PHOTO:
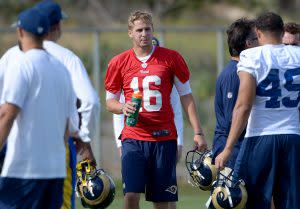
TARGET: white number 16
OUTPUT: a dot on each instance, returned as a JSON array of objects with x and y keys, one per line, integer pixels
[{"x": 147, "y": 93}]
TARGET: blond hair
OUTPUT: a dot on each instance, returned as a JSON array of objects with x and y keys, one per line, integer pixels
[{"x": 139, "y": 15}]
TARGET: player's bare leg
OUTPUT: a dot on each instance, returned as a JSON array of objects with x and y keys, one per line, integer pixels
[
  {"x": 272, "y": 204},
  {"x": 161, "y": 205},
  {"x": 172, "y": 205},
  {"x": 131, "y": 200}
]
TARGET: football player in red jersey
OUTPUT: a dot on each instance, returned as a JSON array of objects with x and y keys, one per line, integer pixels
[{"x": 149, "y": 148}]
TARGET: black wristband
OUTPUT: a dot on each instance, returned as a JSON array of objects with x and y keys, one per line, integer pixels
[{"x": 200, "y": 133}]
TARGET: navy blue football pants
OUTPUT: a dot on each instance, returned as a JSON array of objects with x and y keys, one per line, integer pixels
[{"x": 270, "y": 165}]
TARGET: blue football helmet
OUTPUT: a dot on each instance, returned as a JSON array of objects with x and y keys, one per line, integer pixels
[
  {"x": 227, "y": 193},
  {"x": 199, "y": 165},
  {"x": 94, "y": 187},
  {"x": 155, "y": 41}
]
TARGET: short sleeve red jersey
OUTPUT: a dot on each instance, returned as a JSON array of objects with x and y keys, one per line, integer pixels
[{"x": 154, "y": 79}]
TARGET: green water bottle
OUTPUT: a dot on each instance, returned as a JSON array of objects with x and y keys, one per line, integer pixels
[{"x": 137, "y": 100}]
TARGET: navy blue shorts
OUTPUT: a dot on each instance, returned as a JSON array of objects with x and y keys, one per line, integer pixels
[
  {"x": 31, "y": 193},
  {"x": 270, "y": 165},
  {"x": 2, "y": 156},
  {"x": 218, "y": 147},
  {"x": 150, "y": 168}
]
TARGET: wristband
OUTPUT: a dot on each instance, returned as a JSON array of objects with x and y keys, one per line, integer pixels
[{"x": 199, "y": 133}]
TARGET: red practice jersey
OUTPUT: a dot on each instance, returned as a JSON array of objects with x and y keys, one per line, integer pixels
[{"x": 154, "y": 79}]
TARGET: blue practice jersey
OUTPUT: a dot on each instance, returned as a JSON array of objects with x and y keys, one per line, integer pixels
[{"x": 227, "y": 88}]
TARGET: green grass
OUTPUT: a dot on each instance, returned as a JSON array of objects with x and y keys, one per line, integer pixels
[{"x": 189, "y": 197}]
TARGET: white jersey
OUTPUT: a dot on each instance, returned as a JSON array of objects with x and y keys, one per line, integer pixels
[
  {"x": 90, "y": 105},
  {"x": 10, "y": 55},
  {"x": 276, "y": 69},
  {"x": 118, "y": 119},
  {"x": 41, "y": 87}
]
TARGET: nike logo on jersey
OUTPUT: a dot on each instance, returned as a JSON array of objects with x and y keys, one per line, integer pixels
[{"x": 144, "y": 65}]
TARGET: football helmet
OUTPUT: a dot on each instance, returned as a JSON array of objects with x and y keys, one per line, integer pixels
[
  {"x": 227, "y": 193},
  {"x": 199, "y": 165},
  {"x": 94, "y": 187},
  {"x": 155, "y": 41}
]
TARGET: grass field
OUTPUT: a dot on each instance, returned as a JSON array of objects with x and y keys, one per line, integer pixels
[{"x": 189, "y": 198}]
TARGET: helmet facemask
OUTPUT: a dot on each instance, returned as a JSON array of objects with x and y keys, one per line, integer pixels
[
  {"x": 202, "y": 172},
  {"x": 94, "y": 187}
]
